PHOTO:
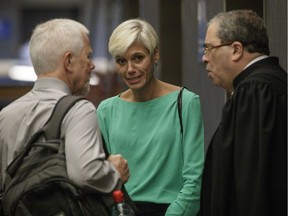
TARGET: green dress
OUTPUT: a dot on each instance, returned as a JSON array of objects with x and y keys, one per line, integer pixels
[{"x": 164, "y": 166}]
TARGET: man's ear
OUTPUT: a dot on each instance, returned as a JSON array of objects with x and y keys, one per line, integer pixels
[
  {"x": 68, "y": 61},
  {"x": 238, "y": 50},
  {"x": 156, "y": 55}
]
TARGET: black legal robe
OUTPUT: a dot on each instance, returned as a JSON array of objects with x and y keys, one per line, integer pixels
[{"x": 245, "y": 171}]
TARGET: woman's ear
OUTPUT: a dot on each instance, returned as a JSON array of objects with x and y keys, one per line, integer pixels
[{"x": 156, "y": 55}]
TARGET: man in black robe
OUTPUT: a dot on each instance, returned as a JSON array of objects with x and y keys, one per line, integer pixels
[{"x": 245, "y": 170}]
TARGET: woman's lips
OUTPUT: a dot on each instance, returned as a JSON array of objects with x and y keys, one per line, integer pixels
[{"x": 133, "y": 80}]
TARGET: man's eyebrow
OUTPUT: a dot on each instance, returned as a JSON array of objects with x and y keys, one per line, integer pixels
[{"x": 207, "y": 44}]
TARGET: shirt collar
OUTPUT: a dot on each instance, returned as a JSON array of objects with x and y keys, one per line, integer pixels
[
  {"x": 255, "y": 60},
  {"x": 51, "y": 83}
]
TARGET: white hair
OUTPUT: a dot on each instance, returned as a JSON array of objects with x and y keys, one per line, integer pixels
[{"x": 52, "y": 39}]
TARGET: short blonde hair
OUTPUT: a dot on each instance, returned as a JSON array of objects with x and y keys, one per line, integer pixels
[
  {"x": 52, "y": 39},
  {"x": 132, "y": 31}
]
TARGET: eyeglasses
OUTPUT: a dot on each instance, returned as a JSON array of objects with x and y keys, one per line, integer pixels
[{"x": 207, "y": 49}]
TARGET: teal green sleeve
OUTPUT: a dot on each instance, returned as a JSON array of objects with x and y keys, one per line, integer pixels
[{"x": 188, "y": 199}]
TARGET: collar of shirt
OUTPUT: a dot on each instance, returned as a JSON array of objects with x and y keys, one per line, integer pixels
[
  {"x": 244, "y": 74},
  {"x": 51, "y": 83},
  {"x": 255, "y": 60}
]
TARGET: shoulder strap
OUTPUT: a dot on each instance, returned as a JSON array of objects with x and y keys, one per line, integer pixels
[
  {"x": 179, "y": 105},
  {"x": 51, "y": 130}
]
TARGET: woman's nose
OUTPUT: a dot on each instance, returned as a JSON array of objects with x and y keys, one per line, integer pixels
[{"x": 130, "y": 66}]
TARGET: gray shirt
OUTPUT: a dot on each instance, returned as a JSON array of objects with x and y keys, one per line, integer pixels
[{"x": 85, "y": 157}]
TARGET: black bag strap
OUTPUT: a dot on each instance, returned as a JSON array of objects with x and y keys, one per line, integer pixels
[
  {"x": 179, "y": 105},
  {"x": 51, "y": 130}
]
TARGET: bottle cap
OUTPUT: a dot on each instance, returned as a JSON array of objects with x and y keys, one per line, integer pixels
[{"x": 118, "y": 196}]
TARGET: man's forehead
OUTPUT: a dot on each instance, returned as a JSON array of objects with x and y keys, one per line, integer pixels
[{"x": 211, "y": 34}]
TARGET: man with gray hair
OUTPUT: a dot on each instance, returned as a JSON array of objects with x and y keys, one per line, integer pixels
[
  {"x": 245, "y": 171},
  {"x": 61, "y": 54}
]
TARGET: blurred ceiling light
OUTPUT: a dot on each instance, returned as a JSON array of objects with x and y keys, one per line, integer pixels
[
  {"x": 94, "y": 79},
  {"x": 22, "y": 73},
  {"x": 26, "y": 73}
]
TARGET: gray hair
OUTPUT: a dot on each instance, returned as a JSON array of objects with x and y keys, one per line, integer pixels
[
  {"x": 52, "y": 39},
  {"x": 244, "y": 26},
  {"x": 132, "y": 31}
]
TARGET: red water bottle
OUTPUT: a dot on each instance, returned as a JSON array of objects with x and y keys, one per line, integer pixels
[{"x": 120, "y": 207}]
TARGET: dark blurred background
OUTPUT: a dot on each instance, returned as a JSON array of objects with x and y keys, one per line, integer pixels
[{"x": 181, "y": 25}]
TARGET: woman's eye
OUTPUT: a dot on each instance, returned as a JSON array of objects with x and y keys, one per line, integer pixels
[
  {"x": 120, "y": 61},
  {"x": 138, "y": 58}
]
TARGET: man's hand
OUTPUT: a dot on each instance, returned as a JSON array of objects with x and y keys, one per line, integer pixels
[{"x": 121, "y": 165}]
